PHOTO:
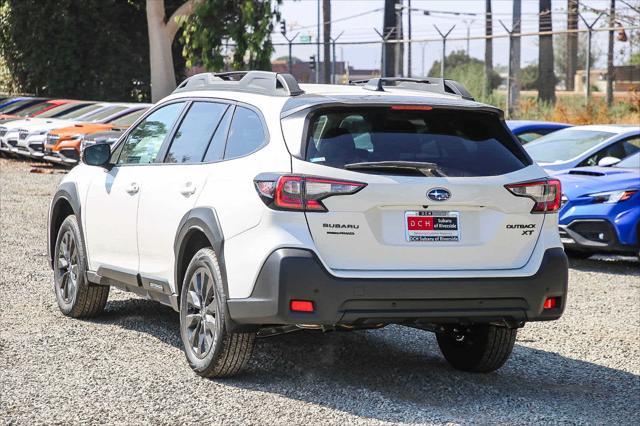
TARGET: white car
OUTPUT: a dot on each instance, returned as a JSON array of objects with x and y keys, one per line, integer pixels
[
  {"x": 585, "y": 146},
  {"x": 33, "y": 144},
  {"x": 258, "y": 205},
  {"x": 13, "y": 132}
]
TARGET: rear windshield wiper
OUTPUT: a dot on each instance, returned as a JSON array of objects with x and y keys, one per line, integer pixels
[{"x": 427, "y": 169}]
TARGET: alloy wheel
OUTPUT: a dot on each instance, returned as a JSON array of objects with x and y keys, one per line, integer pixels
[
  {"x": 67, "y": 267},
  {"x": 200, "y": 318}
]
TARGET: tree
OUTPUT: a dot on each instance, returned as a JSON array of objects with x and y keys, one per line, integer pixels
[
  {"x": 468, "y": 71},
  {"x": 326, "y": 35},
  {"x": 161, "y": 35},
  {"x": 571, "y": 41},
  {"x": 85, "y": 49},
  {"x": 547, "y": 79},
  {"x": 239, "y": 29},
  {"x": 488, "y": 47}
]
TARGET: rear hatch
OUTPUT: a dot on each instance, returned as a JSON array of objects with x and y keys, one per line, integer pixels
[{"x": 435, "y": 196}]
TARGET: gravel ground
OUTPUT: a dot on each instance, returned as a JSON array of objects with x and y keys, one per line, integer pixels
[{"x": 127, "y": 366}]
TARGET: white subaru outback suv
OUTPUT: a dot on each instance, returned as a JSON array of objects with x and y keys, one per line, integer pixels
[{"x": 252, "y": 205}]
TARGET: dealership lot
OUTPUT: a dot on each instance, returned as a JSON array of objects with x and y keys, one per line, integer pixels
[{"x": 127, "y": 366}]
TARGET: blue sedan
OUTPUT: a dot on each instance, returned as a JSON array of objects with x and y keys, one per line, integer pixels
[
  {"x": 528, "y": 130},
  {"x": 601, "y": 209}
]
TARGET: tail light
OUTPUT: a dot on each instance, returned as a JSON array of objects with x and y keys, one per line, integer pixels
[
  {"x": 301, "y": 193},
  {"x": 545, "y": 193}
]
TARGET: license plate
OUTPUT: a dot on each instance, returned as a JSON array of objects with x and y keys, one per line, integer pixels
[{"x": 427, "y": 225}]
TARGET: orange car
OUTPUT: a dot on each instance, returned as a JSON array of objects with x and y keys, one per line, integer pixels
[{"x": 63, "y": 145}]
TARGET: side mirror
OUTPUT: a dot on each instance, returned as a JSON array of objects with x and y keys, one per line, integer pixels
[
  {"x": 97, "y": 155},
  {"x": 608, "y": 161}
]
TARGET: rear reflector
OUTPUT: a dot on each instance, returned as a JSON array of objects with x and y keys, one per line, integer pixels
[
  {"x": 301, "y": 306},
  {"x": 551, "y": 303},
  {"x": 304, "y": 193},
  {"x": 547, "y": 194}
]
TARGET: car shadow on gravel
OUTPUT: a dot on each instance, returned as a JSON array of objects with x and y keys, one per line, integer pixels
[
  {"x": 616, "y": 265},
  {"x": 397, "y": 374}
]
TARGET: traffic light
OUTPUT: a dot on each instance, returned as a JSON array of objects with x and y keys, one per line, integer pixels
[
  {"x": 312, "y": 62},
  {"x": 283, "y": 27}
]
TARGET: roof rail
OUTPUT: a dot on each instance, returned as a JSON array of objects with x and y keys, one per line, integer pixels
[
  {"x": 428, "y": 84},
  {"x": 260, "y": 82}
]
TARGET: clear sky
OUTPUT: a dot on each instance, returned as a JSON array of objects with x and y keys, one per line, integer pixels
[{"x": 301, "y": 16}]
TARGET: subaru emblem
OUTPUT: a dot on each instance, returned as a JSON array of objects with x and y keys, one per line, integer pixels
[{"x": 438, "y": 194}]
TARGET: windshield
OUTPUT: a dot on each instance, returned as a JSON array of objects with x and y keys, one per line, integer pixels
[
  {"x": 34, "y": 109},
  {"x": 459, "y": 143},
  {"x": 129, "y": 119},
  {"x": 564, "y": 144},
  {"x": 631, "y": 162},
  {"x": 15, "y": 106},
  {"x": 82, "y": 111},
  {"x": 106, "y": 112},
  {"x": 60, "y": 111}
]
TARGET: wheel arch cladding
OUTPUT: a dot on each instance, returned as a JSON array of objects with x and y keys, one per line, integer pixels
[
  {"x": 198, "y": 228},
  {"x": 65, "y": 202}
]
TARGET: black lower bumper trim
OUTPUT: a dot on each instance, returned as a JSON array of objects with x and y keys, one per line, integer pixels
[
  {"x": 298, "y": 274},
  {"x": 593, "y": 236}
]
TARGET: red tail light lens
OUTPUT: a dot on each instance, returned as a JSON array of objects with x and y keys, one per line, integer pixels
[
  {"x": 304, "y": 193},
  {"x": 546, "y": 194},
  {"x": 551, "y": 303}
]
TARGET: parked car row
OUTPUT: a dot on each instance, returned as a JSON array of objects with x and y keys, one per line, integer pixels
[{"x": 55, "y": 130}]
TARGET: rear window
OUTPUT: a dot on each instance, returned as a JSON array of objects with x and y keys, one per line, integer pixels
[{"x": 460, "y": 143}]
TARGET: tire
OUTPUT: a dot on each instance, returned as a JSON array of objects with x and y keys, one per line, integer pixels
[
  {"x": 211, "y": 350},
  {"x": 482, "y": 350},
  {"x": 76, "y": 296},
  {"x": 577, "y": 254}
]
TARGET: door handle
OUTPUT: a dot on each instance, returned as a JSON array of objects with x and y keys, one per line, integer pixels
[
  {"x": 133, "y": 188},
  {"x": 188, "y": 189}
]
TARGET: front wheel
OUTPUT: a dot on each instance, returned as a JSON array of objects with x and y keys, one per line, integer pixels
[
  {"x": 212, "y": 351},
  {"x": 477, "y": 349},
  {"x": 76, "y": 296}
]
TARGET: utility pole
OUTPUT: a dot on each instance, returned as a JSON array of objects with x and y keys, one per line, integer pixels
[
  {"x": 326, "y": 36},
  {"x": 444, "y": 51},
  {"x": 571, "y": 58},
  {"x": 610, "y": 69},
  {"x": 488, "y": 47},
  {"x": 283, "y": 31},
  {"x": 514, "y": 58},
  {"x": 318, "y": 47},
  {"x": 333, "y": 63},
  {"x": 468, "y": 23},
  {"x": 409, "y": 62},
  {"x": 383, "y": 60},
  {"x": 399, "y": 56},
  {"x": 587, "y": 68}
]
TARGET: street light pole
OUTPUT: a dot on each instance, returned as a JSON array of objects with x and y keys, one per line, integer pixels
[
  {"x": 333, "y": 64},
  {"x": 318, "y": 48},
  {"x": 587, "y": 92},
  {"x": 409, "y": 43},
  {"x": 444, "y": 51}
]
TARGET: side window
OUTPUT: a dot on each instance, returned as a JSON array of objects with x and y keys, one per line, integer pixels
[
  {"x": 144, "y": 142},
  {"x": 631, "y": 145},
  {"x": 246, "y": 134},
  {"x": 195, "y": 132},
  {"x": 614, "y": 150},
  {"x": 215, "y": 152},
  {"x": 528, "y": 136}
]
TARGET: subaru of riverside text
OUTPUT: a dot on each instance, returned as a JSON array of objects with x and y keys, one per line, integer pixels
[{"x": 254, "y": 206}]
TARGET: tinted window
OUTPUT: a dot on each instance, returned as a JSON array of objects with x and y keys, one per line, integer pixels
[
  {"x": 61, "y": 111},
  {"x": 84, "y": 111},
  {"x": 15, "y": 106},
  {"x": 195, "y": 132},
  {"x": 460, "y": 143},
  {"x": 528, "y": 137},
  {"x": 565, "y": 144},
  {"x": 215, "y": 151},
  {"x": 246, "y": 134},
  {"x": 34, "y": 109},
  {"x": 144, "y": 141},
  {"x": 614, "y": 150},
  {"x": 631, "y": 162}
]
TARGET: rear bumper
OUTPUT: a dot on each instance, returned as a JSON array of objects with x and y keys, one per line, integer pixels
[{"x": 298, "y": 274}]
